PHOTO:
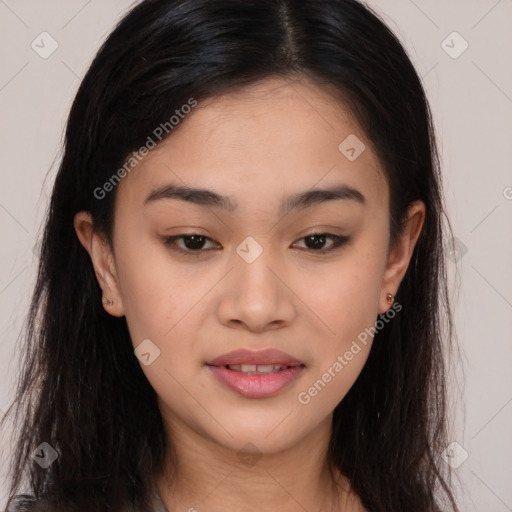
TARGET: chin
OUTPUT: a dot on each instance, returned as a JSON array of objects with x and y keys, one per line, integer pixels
[{"x": 266, "y": 438}]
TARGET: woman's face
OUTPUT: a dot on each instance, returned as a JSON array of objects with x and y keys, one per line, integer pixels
[{"x": 254, "y": 277}]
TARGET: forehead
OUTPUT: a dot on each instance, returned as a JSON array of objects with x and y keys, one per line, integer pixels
[{"x": 276, "y": 135}]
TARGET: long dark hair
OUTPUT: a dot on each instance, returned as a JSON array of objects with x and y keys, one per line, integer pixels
[{"x": 82, "y": 389}]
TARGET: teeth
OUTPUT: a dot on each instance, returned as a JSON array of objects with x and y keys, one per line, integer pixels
[
  {"x": 265, "y": 368},
  {"x": 255, "y": 369}
]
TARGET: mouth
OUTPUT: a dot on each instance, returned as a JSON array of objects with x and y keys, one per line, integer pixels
[
  {"x": 246, "y": 360},
  {"x": 255, "y": 374},
  {"x": 257, "y": 369}
]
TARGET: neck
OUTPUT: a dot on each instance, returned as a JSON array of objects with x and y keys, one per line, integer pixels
[{"x": 203, "y": 475}]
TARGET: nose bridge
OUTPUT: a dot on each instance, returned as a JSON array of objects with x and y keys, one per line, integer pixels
[
  {"x": 253, "y": 262},
  {"x": 257, "y": 296}
]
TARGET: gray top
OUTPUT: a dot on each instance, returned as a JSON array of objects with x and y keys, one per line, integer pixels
[
  {"x": 24, "y": 503},
  {"x": 159, "y": 505}
]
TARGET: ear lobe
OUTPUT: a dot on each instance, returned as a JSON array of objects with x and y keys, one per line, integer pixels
[
  {"x": 102, "y": 260},
  {"x": 400, "y": 256}
]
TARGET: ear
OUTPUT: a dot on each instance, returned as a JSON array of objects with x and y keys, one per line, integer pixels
[
  {"x": 103, "y": 261},
  {"x": 400, "y": 256}
]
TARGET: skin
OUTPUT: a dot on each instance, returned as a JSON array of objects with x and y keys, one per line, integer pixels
[{"x": 258, "y": 146}]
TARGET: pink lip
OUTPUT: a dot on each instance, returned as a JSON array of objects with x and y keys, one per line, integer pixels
[
  {"x": 255, "y": 386},
  {"x": 244, "y": 356}
]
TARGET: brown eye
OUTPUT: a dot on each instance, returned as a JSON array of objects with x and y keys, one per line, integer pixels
[
  {"x": 193, "y": 243},
  {"x": 315, "y": 241}
]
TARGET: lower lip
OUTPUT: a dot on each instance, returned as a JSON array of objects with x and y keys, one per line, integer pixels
[{"x": 256, "y": 386}]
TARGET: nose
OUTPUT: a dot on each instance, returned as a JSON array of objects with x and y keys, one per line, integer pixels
[{"x": 257, "y": 295}]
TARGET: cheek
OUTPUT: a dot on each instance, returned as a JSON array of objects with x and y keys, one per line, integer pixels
[
  {"x": 164, "y": 302},
  {"x": 345, "y": 296},
  {"x": 346, "y": 302},
  {"x": 153, "y": 291},
  {"x": 158, "y": 299},
  {"x": 341, "y": 354},
  {"x": 322, "y": 393}
]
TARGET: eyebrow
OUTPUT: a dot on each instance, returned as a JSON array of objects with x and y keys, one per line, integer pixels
[{"x": 209, "y": 198}]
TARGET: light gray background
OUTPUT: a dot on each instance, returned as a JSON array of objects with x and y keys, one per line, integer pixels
[{"x": 471, "y": 98}]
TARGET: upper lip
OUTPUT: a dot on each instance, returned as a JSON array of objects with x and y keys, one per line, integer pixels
[{"x": 244, "y": 356}]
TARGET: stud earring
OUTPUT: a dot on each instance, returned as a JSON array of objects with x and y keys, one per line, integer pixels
[
  {"x": 389, "y": 298},
  {"x": 108, "y": 302}
]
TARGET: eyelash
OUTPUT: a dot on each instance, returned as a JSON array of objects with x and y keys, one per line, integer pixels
[{"x": 339, "y": 241}]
